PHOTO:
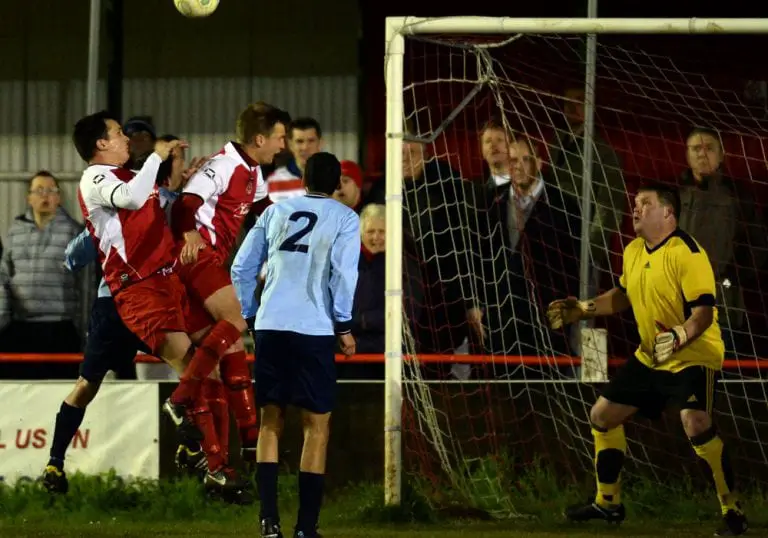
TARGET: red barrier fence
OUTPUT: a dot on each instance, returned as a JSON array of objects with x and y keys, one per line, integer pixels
[{"x": 527, "y": 360}]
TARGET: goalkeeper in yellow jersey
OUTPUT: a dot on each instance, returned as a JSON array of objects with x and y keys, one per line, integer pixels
[{"x": 668, "y": 281}]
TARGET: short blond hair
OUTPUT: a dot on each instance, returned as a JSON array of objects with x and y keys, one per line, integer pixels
[
  {"x": 370, "y": 212},
  {"x": 258, "y": 118}
]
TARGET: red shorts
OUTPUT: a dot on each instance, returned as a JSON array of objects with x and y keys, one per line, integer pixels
[
  {"x": 202, "y": 279},
  {"x": 154, "y": 307}
]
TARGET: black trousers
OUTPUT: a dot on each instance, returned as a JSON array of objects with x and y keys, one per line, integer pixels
[{"x": 40, "y": 337}]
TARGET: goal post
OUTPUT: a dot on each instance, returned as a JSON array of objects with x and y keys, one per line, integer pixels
[{"x": 396, "y": 31}]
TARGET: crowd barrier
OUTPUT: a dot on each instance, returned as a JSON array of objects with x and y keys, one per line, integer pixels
[{"x": 525, "y": 360}]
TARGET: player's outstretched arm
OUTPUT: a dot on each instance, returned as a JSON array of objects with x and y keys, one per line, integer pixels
[
  {"x": 101, "y": 187},
  {"x": 248, "y": 261},
  {"x": 345, "y": 256},
  {"x": 570, "y": 310},
  {"x": 80, "y": 252}
]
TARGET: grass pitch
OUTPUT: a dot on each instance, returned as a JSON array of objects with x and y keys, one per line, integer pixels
[{"x": 108, "y": 507}]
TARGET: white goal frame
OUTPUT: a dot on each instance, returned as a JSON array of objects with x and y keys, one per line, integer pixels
[{"x": 396, "y": 30}]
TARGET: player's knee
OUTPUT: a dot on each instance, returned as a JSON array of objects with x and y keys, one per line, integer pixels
[
  {"x": 695, "y": 422},
  {"x": 223, "y": 305},
  {"x": 83, "y": 393},
  {"x": 175, "y": 347},
  {"x": 198, "y": 336},
  {"x": 271, "y": 419},
  {"x": 601, "y": 418},
  {"x": 316, "y": 425},
  {"x": 241, "y": 326}
]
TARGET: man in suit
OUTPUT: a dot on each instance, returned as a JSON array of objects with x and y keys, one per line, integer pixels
[{"x": 529, "y": 241}]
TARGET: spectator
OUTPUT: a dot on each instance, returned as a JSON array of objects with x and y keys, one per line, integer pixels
[
  {"x": 530, "y": 254},
  {"x": 609, "y": 198},
  {"x": 305, "y": 138},
  {"x": 494, "y": 145},
  {"x": 368, "y": 313},
  {"x": 350, "y": 190},
  {"x": 726, "y": 224},
  {"x": 435, "y": 199},
  {"x": 39, "y": 302}
]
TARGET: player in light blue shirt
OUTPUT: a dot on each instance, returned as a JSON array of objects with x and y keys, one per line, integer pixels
[{"x": 311, "y": 245}]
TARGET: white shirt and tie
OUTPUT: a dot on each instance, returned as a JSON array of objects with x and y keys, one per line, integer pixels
[{"x": 518, "y": 206}]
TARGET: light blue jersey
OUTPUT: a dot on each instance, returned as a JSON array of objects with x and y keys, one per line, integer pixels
[
  {"x": 80, "y": 252},
  {"x": 311, "y": 245}
]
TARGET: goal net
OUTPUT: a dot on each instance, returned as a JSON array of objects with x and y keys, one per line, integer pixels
[{"x": 492, "y": 197}]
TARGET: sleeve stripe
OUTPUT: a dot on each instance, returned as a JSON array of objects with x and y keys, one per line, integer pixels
[
  {"x": 112, "y": 195},
  {"x": 343, "y": 327},
  {"x": 705, "y": 299}
]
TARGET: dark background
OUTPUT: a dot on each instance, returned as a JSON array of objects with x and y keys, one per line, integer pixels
[{"x": 48, "y": 39}]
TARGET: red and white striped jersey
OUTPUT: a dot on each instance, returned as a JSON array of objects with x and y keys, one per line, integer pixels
[
  {"x": 284, "y": 183},
  {"x": 228, "y": 184},
  {"x": 129, "y": 226}
]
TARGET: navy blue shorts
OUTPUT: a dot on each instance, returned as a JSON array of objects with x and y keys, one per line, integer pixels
[
  {"x": 109, "y": 345},
  {"x": 295, "y": 369}
]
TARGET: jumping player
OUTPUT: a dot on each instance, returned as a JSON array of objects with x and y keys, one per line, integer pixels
[
  {"x": 110, "y": 345},
  {"x": 208, "y": 217},
  {"x": 311, "y": 245},
  {"x": 137, "y": 252}
]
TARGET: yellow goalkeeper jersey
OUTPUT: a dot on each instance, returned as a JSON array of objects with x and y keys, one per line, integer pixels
[{"x": 663, "y": 285}]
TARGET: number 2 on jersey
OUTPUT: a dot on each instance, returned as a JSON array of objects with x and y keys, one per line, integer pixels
[{"x": 291, "y": 244}]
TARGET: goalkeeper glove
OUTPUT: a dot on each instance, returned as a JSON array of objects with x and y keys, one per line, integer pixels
[
  {"x": 569, "y": 310},
  {"x": 667, "y": 342}
]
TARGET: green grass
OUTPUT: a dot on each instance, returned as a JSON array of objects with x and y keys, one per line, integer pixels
[{"x": 106, "y": 507}]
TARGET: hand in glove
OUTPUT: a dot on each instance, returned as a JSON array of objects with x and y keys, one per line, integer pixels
[
  {"x": 667, "y": 342},
  {"x": 569, "y": 310}
]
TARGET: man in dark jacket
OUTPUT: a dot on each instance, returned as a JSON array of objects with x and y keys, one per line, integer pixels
[
  {"x": 724, "y": 221},
  {"x": 439, "y": 217},
  {"x": 530, "y": 255},
  {"x": 438, "y": 213}
]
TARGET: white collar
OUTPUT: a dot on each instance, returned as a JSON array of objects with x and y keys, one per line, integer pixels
[{"x": 500, "y": 179}]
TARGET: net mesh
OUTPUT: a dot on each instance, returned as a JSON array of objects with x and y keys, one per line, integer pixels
[{"x": 479, "y": 412}]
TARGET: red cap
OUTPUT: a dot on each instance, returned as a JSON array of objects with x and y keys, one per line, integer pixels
[{"x": 352, "y": 170}]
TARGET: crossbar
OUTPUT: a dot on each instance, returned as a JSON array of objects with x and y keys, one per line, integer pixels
[{"x": 511, "y": 25}]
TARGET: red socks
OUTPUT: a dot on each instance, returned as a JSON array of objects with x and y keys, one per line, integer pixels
[
  {"x": 201, "y": 414},
  {"x": 216, "y": 396},
  {"x": 237, "y": 378},
  {"x": 221, "y": 337}
]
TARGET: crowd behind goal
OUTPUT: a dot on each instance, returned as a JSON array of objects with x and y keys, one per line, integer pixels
[{"x": 461, "y": 294}]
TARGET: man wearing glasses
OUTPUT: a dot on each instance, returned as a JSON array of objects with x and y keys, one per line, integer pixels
[{"x": 39, "y": 300}]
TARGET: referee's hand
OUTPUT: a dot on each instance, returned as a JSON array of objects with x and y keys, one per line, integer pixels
[
  {"x": 347, "y": 344},
  {"x": 567, "y": 311}
]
